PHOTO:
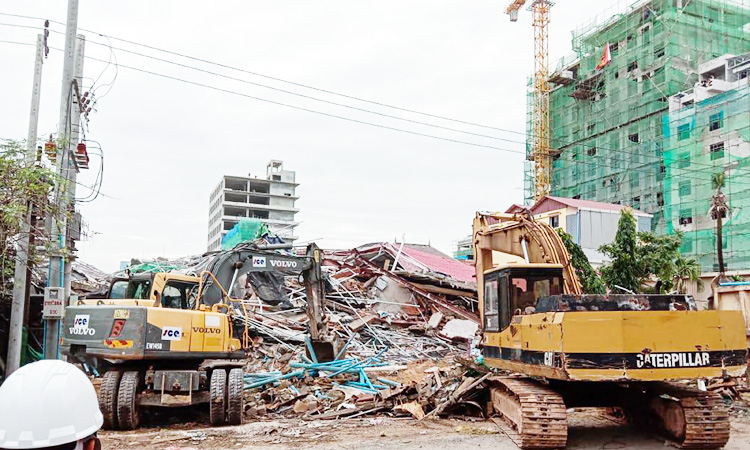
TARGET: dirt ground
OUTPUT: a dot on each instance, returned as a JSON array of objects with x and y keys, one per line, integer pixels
[{"x": 588, "y": 429}]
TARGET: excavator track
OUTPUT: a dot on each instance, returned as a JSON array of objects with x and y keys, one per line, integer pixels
[
  {"x": 687, "y": 417},
  {"x": 532, "y": 415}
]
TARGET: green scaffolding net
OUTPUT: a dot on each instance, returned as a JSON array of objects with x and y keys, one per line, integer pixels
[
  {"x": 612, "y": 134},
  {"x": 245, "y": 230},
  {"x": 703, "y": 138}
]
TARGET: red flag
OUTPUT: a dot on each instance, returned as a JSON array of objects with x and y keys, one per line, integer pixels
[{"x": 606, "y": 58}]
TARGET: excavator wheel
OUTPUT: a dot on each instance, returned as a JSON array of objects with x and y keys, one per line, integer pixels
[
  {"x": 688, "y": 417},
  {"x": 235, "y": 403},
  {"x": 532, "y": 415},
  {"x": 108, "y": 398},
  {"x": 128, "y": 416},
  {"x": 218, "y": 397}
]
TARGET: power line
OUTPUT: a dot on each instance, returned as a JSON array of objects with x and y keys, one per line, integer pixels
[
  {"x": 326, "y": 91},
  {"x": 305, "y": 96},
  {"x": 18, "y": 43},
  {"x": 300, "y": 108},
  {"x": 620, "y": 150},
  {"x": 527, "y": 135},
  {"x": 598, "y": 164}
]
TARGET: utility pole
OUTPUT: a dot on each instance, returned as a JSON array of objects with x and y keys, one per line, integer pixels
[
  {"x": 64, "y": 190},
  {"x": 74, "y": 136},
  {"x": 22, "y": 252}
]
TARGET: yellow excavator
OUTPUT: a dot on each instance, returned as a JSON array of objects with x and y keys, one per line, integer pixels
[
  {"x": 180, "y": 341},
  {"x": 567, "y": 349}
]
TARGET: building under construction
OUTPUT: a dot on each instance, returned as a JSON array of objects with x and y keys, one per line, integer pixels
[{"x": 613, "y": 137}]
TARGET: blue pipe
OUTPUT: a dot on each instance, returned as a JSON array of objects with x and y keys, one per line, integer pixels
[
  {"x": 343, "y": 349},
  {"x": 296, "y": 373},
  {"x": 364, "y": 385},
  {"x": 365, "y": 377},
  {"x": 310, "y": 349},
  {"x": 388, "y": 382}
]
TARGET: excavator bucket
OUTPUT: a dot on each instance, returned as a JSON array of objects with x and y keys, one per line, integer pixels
[{"x": 326, "y": 351}]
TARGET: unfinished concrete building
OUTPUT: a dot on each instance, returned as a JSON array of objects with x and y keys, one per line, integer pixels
[
  {"x": 706, "y": 132},
  {"x": 610, "y": 127},
  {"x": 270, "y": 199}
]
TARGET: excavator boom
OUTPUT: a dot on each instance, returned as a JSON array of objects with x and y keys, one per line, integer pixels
[{"x": 521, "y": 237}]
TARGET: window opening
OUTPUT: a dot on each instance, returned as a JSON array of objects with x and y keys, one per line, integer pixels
[{"x": 717, "y": 150}]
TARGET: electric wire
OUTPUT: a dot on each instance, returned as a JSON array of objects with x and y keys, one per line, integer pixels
[
  {"x": 326, "y": 91},
  {"x": 621, "y": 150},
  {"x": 529, "y": 135},
  {"x": 373, "y": 124},
  {"x": 300, "y": 108}
]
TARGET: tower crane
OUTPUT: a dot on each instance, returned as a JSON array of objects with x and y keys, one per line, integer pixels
[{"x": 540, "y": 112}]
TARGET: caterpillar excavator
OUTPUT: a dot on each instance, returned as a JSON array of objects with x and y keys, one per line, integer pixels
[
  {"x": 181, "y": 341},
  {"x": 567, "y": 349}
]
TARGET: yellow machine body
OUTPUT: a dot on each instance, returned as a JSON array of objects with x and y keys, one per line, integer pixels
[
  {"x": 536, "y": 321},
  {"x": 163, "y": 323},
  {"x": 620, "y": 345}
]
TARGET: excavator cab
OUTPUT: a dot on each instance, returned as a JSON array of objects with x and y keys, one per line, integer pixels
[{"x": 514, "y": 290}]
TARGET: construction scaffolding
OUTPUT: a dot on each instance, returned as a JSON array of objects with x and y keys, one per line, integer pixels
[
  {"x": 705, "y": 138},
  {"x": 607, "y": 126}
]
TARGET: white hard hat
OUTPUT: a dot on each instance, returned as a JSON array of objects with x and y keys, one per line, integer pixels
[{"x": 47, "y": 403}]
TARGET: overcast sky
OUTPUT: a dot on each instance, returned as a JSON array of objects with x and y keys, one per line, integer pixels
[{"x": 166, "y": 143}]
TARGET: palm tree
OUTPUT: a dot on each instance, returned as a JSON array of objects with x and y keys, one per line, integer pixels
[
  {"x": 718, "y": 210},
  {"x": 687, "y": 270}
]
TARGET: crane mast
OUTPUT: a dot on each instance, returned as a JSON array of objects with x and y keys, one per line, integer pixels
[{"x": 540, "y": 112}]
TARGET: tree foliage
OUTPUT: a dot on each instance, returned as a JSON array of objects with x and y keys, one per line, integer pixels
[
  {"x": 22, "y": 183},
  {"x": 623, "y": 270},
  {"x": 655, "y": 258},
  {"x": 687, "y": 270},
  {"x": 590, "y": 280},
  {"x": 640, "y": 258}
]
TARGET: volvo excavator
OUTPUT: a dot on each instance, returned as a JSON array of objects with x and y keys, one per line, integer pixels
[
  {"x": 565, "y": 349},
  {"x": 181, "y": 340}
]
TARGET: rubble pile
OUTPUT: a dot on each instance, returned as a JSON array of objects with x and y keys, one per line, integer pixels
[
  {"x": 404, "y": 312},
  {"x": 353, "y": 387}
]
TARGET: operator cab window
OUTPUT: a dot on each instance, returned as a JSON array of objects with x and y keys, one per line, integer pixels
[
  {"x": 139, "y": 289},
  {"x": 119, "y": 289},
  {"x": 496, "y": 311},
  {"x": 526, "y": 290},
  {"x": 491, "y": 316},
  {"x": 179, "y": 295}
]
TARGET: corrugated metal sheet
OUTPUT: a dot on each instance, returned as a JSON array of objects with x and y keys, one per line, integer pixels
[{"x": 571, "y": 225}]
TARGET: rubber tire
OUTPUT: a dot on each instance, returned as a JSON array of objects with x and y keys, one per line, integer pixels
[
  {"x": 128, "y": 416},
  {"x": 108, "y": 398},
  {"x": 235, "y": 400},
  {"x": 218, "y": 397}
]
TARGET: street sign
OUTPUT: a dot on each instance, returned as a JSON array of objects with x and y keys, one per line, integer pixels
[{"x": 53, "y": 303}]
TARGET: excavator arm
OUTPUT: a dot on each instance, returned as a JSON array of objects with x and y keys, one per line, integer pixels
[
  {"x": 520, "y": 236},
  {"x": 264, "y": 269}
]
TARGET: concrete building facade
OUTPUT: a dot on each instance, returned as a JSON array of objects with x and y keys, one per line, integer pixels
[{"x": 270, "y": 199}]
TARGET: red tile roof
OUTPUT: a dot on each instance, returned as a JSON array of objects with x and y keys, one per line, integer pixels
[
  {"x": 441, "y": 263},
  {"x": 550, "y": 203}
]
